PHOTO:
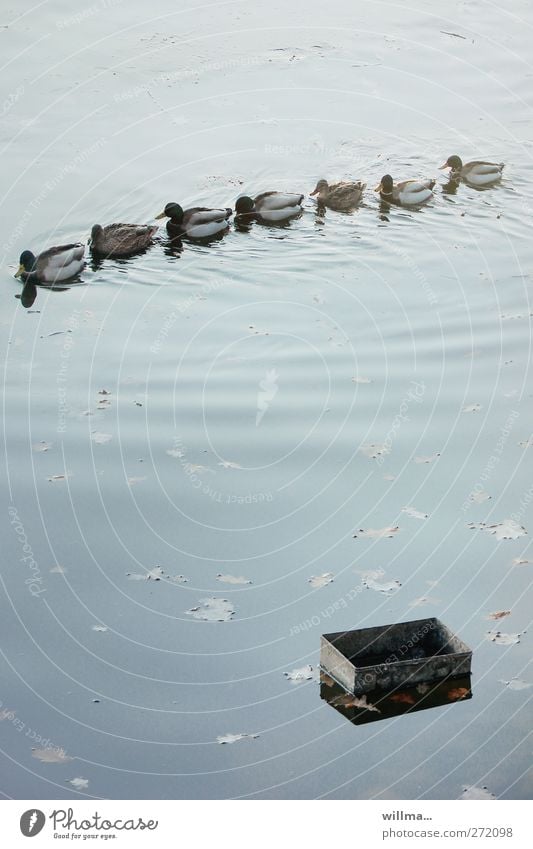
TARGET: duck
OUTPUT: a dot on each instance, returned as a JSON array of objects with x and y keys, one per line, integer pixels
[
  {"x": 53, "y": 265},
  {"x": 121, "y": 239},
  {"x": 408, "y": 193},
  {"x": 477, "y": 173},
  {"x": 199, "y": 222},
  {"x": 271, "y": 207},
  {"x": 340, "y": 196}
]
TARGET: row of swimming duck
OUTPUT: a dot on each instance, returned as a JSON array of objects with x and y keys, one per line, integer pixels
[{"x": 63, "y": 262}]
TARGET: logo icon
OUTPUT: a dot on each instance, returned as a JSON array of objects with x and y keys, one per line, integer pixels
[{"x": 32, "y": 822}]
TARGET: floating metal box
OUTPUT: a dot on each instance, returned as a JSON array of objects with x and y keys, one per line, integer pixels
[{"x": 392, "y": 656}]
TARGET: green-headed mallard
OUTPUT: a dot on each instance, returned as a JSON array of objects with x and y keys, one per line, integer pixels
[
  {"x": 271, "y": 207},
  {"x": 340, "y": 196},
  {"x": 200, "y": 222},
  {"x": 408, "y": 193},
  {"x": 476, "y": 173},
  {"x": 121, "y": 239},
  {"x": 53, "y": 265}
]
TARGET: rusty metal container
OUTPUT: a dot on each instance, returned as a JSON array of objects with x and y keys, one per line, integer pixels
[{"x": 391, "y": 656}]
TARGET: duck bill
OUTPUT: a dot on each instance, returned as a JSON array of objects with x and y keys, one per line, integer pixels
[
  {"x": 161, "y": 215},
  {"x": 442, "y": 167},
  {"x": 20, "y": 271},
  {"x": 313, "y": 193},
  {"x": 378, "y": 188}
]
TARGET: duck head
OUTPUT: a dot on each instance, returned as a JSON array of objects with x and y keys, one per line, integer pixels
[
  {"x": 385, "y": 186},
  {"x": 244, "y": 205},
  {"x": 26, "y": 264},
  {"x": 172, "y": 211},
  {"x": 453, "y": 162},
  {"x": 321, "y": 186}
]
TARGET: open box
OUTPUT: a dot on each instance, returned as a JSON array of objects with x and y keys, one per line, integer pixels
[{"x": 391, "y": 656}]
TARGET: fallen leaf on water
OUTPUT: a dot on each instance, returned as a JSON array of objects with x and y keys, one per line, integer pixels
[
  {"x": 520, "y": 561},
  {"x": 480, "y": 496},
  {"x": 415, "y": 514},
  {"x": 175, "y": 452},
  {"x": 526, "y": 443},
  {"x": 355, "y": 702},
  {"x": 428, "y": 459},
  {"x": 357, "y": 379},
  {"x": 135, "y": 480},
  {"x": 51, "y": 756},
  {"x": 479, "y": 793},
  {"x": 103, "y": 392},
  {"x": 503, "y": 639},
  {"x": 99, "y": 628},
  {"x": 389, "y": 477},
  {"x": 42, "y": 446},
  {"x": 233, "y": 738},
  {"x": 508, "y": 529},
  {"x": 516, "y": 684},
  {"x": 458, "y": 693},
  {"x": 499, "y": 614},
  {"x": 374, "y": 450},
  {"x": 177, "y": 579},
  {"x": 229, "y": 464},
  {"x": 403, "y": 698},
  {"x": 55, "y": 478},
  {"x": 387, "y": 587},
  {"x": 233, "y": 579},
  {"x": 100, "y": 438},
  {"x": 377, "y": 533},
  {"x": 153, "y": 575},
  {"x": 471, "y": 408},
  {"x": 304, "y": 673},
  {"x": 79, "y": 783},
  {"x": 212, "y": 610},
  {"x": 323, "y": 580}
]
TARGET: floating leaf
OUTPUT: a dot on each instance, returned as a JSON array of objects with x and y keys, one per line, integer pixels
[
  {"x": 103, "y": 392},
  {"x": 389, "y": 477},
  {"x": 175, "y": 452},
  {"x": 403, "y": 698},
  {"x": 100, "y": 438},
  {"x": 471, "y": 408},
  {"x": 428, "y": 459},
  {"x": 323, "y": 580},
  {"x": 472, "y": 792},
  {"x": 520, "y": 561},
  {"x": 213, "y": 610},
  {"x": 99, "y": 628},
  {"x": 516, "y": 684},
  {"x": 526, "y": 443},
  {"x": 353, "y": 701},
  {"x": 377, "y": 533},
  {"x": 457, "y": 693},
  {"x": 79, "y": 783},
  {"x": 508, "y": 529},
  {"x": 229, "y": 464},
  {"x": 234, "y": 738},
  {"x": 134, "y": 480},
  {"x": 177, "y": 579},
  {"x": 499, "y": 614},
  {"x": 357, "y": 379},
  {"x": 42, "y": 446},
  {"x": 374, "y": 450},
  {"x": 480, "y": 496},
  {"x": 387, "y": 587},
  {"x": 503, "y": 639},
  {"x": 56, "y": 478},
  {"x": 415, "y": 514},
  {"x": 51, "y": 755},
  {"x": 233, "y": 579},
  {"x": 304, "y": 673}
]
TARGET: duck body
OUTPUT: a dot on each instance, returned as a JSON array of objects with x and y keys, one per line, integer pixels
[
  {"x": 477, "y": 173},
  {"x": 53, "y": 265},
  {"x": 199, "y": 222},
  {"x": 408, "y": 193},
  {"x": 339, "y": 196},
  {"x": 271, "y": 207},
  {"x": 121, "y": 239}
]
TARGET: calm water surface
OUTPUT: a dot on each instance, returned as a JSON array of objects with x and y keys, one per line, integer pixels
[{"x": 209, "y": 411}]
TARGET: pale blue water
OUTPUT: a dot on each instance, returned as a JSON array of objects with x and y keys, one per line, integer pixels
[{"x": 239, "y": 357}]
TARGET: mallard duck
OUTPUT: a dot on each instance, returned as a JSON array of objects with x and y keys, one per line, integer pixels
[
  {"x": 477, "y": 173},
  {"x": 269, "y": 206},
  {"x": 339, "y": 196},
  {"x": 408, "y": 193},
  {"x": 121, "y": 239},
  {"x": 200, "y": 222},
  {"x": 53, "y": 265}
]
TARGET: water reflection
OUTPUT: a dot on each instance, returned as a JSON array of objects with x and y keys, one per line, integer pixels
[{"x": 384, "y": 704}]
